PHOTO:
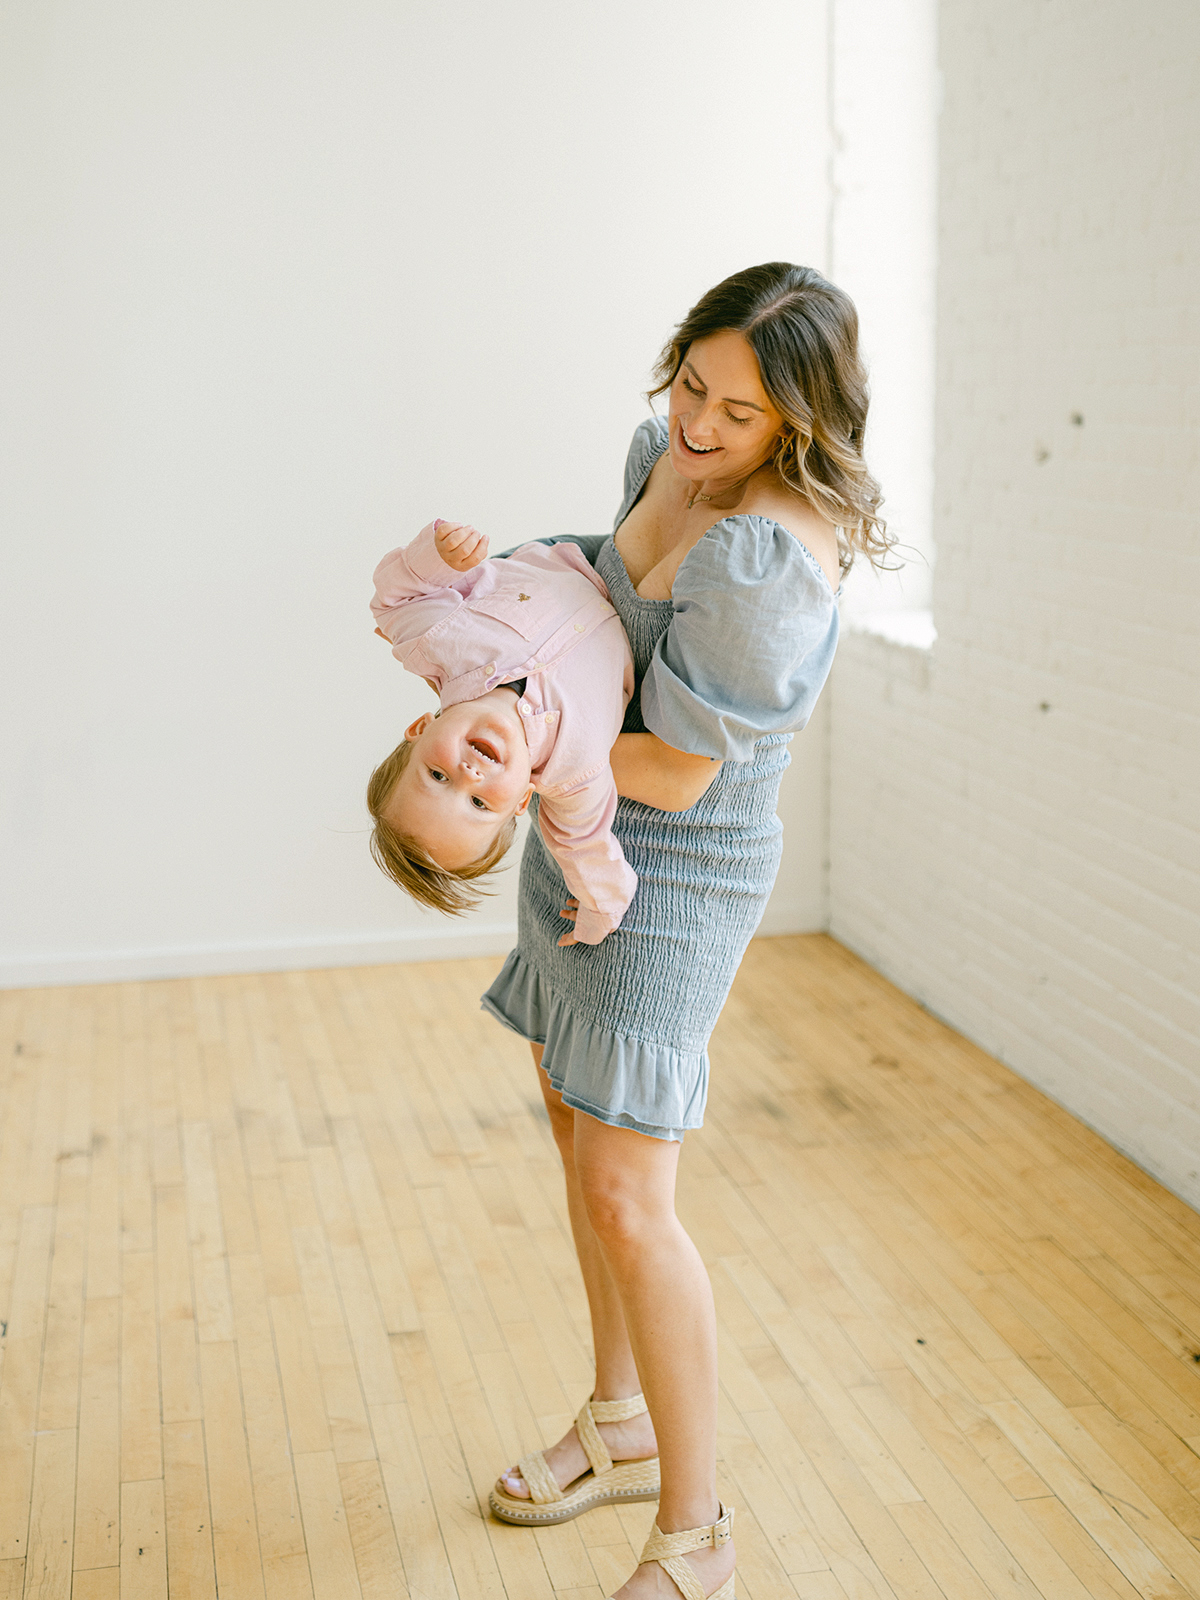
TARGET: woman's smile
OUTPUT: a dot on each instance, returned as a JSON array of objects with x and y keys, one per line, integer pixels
[
  {"x": 696, "y": 449},
  {"x": 723, "y": 426}
]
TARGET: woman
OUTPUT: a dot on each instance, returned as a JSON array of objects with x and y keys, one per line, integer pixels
[{"x": 741, "y": 510}]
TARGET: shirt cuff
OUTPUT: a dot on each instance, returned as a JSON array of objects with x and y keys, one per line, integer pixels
[
  {"x": 425, "y": 563},
  {"x": 592, "y": 926}
]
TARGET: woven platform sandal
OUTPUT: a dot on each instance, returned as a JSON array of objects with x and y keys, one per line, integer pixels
[
  {"x": 669, "y": 1549},
  {"x": 605, "y": 1483}
]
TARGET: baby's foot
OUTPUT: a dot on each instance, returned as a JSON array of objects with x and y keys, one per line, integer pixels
[
  {"x": 632, "y": 1440},
  {"x": 650, "y": 1582}
]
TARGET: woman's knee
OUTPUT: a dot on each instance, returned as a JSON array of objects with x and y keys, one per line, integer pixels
[
  {"x": 627, "y": 1181},
  {"x": 622, "y": 1206}
]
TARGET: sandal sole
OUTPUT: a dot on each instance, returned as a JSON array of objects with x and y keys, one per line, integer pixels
[{"x": 636, "y": 1480}]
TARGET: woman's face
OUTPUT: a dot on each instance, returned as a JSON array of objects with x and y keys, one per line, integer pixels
[{"x": 722, "y": 425}]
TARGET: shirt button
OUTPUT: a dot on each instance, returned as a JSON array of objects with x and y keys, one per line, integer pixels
[
  {"x": 523, "y": 707},
  {"x": 490, "y": 668},
  {"x": 549, "y": 716},
  {"x": 579, "y": 628}
]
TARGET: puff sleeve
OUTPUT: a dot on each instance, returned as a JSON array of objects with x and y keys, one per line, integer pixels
[
  {"x": 648, "y": 443},
  {"x": 749, "y": 647}
]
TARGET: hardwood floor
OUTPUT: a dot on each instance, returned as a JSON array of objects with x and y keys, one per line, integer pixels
[{"x": 285, "y": 1280}]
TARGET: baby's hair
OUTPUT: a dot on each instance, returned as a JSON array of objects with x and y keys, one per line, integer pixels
[{"x": 405, "y": 862}]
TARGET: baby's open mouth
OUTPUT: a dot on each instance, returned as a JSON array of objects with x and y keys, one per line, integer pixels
[{"x": 488, "y": 751}]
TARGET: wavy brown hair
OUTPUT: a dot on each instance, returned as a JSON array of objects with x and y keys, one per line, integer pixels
[
  {"x": 804, "y": 332},
  {"x": 405, "y": 861}
]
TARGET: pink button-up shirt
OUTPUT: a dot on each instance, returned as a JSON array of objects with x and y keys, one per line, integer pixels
[{"x": 540, "y": 614}]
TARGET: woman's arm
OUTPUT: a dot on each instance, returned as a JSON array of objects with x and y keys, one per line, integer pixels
[{"x": 658, "y": 775}]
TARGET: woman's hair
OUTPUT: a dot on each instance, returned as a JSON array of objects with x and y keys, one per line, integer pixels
[
  {"x": 405, "y": 862},
  {"x": 804, "y": 331}
]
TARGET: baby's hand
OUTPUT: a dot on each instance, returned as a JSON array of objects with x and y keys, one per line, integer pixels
[
  {"x": 459, "y": 544},
  {"x": 570, "y": 911}
]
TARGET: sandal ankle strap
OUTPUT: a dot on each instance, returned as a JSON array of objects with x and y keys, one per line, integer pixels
[
  {"x": 662, "y": 1546},
  {"x": 618, "y": 1410},
  {"x": 594, "y": 1411}
]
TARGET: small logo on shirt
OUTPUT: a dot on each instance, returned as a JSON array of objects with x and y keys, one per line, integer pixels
[{"x": 524, "y": 597}]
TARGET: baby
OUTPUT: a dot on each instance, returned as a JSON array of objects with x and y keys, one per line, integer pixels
[{"x": 533, "y": 671}]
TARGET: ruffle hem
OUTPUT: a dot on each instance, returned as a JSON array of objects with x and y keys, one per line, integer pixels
[{"x": 661, "y": 1091}]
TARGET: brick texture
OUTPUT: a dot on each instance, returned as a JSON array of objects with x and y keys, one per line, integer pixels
[{"x": 1015, "y": 816}]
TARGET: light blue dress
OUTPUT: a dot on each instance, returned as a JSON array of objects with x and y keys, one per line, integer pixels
[{"x": 729, "y": 667}]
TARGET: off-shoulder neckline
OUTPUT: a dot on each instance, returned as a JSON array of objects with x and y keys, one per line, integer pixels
[
  {"x": 737, "y": 516},
  {"x": 642, "y": 600}
]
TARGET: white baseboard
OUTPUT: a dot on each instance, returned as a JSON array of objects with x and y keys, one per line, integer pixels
[{"x": 194, "y": 961}]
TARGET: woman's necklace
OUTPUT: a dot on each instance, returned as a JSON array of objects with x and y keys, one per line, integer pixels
[{"x": 731, "y": 497}]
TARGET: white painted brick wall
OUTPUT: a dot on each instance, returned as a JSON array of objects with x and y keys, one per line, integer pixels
[{"x": 1033, "y": 875}]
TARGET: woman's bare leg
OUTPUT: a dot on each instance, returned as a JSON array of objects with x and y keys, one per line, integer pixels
[
  {"x": 627, "y": 1185},
  {"x": 616, "y": 1371}
]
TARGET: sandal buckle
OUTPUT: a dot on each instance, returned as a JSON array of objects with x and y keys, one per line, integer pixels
[{"x": 723, "y": 1528}]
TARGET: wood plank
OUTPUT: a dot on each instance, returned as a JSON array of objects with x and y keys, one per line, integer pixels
[
  {"x": 275, "y": 1236},
  {"x": 426, "y": 1361},
  {"x": 326, "y": 1534},
  {"x": 98, "y": 1485},
  {"x": 190, "y": 1573},
  {"x": 213, "y": 1306},
  {"x": 51, "y": 1516},
  {"x": 143, "y": 1541},
  {"x": 372, "y": 1534},
  {"x": 418, "y": 1534},
  {"x": 166, "y": 1155},
  {"x": 19, "y": 1377},
  {"x": 58, "y": 1399},
  {"x": 136, "y": 1143},
  {"x": 345, "y": 1406},
  {"x": 400, "y": 1314},
  {"x": 270, "y": 1449},
  {"x": 177, "y": 1328},
  {"x": 95, "y": 1583},
  {"x": 104, "y": 1191},
  {"x": 40, "y": 1183},
  {"x": 308, "y": 1427},
  {"x": 236, "y": 1554},
  {"x": 288, "y": 1578},
  {"x": 141, "y": 1405}
]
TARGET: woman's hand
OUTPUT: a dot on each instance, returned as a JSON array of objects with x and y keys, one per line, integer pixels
[
  {"x": 459, "y": 544},
  {"x": 657, "y": 774},
  {"x": 568, "y": 938}
]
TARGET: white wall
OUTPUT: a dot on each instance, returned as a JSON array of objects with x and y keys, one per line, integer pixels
[
  {"x": 882, "y": 249},
  {"x": 287, "y": 281},
  {"x": 1014, "y": 814}
]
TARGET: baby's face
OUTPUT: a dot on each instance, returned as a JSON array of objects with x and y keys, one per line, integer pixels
[{"x": 467, "y": 775}]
